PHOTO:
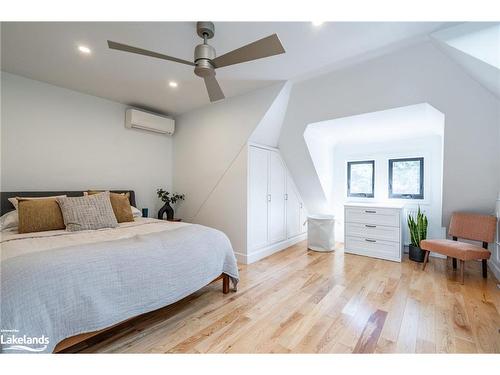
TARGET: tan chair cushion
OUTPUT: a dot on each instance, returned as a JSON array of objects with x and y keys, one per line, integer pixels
[
  {"x": 121, "y": 205},
  {"x": 39, "y": 215},
  {"x": 455, "y": 249}
]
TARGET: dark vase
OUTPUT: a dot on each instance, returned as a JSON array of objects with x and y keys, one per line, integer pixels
[
  {"x": 416, "y": 253},
  {"x": 168, "y": 209}
]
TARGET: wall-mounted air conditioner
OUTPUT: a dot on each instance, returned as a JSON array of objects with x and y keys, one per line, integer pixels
[{"x": 148, "y": 121}]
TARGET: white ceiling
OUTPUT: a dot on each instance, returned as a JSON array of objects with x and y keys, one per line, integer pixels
[
  {"x": 396, "y": 124},
  {"x": 475, "y": 46},
  {"x": 48, "y": 52}
]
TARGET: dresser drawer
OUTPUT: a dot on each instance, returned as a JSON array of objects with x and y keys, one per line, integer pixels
[
  {"x": 376, "y": 216},
  {"x": 373, "y": 231},
  {"x": 375, "y": 248}
]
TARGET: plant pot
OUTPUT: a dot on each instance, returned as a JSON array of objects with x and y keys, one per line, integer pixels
[
  {"x": 416, "y": 253},
  {"x": 166, "y": 209}
]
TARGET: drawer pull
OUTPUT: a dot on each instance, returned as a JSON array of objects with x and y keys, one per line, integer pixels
[
  {"x": 370, "y": 211},
  {"x": 368, "y": 240},
  {"x": 370, "y": 226}
]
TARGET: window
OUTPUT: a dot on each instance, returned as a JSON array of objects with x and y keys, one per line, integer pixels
[
  {"x": 406, "y": 178},
  {"x": 360, "y": 178}
]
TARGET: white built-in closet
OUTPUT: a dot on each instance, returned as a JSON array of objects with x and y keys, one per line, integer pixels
[{"x": 276, "y": 213}]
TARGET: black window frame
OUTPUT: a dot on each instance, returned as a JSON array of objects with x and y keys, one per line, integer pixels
[
  {"x": 407, "y": 196},
  {"x": 360, "y": 195}
]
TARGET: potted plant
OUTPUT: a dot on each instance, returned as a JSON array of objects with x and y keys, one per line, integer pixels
[
  {"x": 168, "y": 199},
  {"x": 418, "y": 232}
]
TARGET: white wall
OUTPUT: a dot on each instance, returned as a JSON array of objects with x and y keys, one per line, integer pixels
[
  {"x": 57, "y": 139},
  {"x": 226, "y": 208},
  {"x": 475, "y": 47},
  {"x": 321, "y": 154},
  {"x": 430, "y": 148},
  {"x": 210, "y": 161},
  {"x": 420, "y": 74}
]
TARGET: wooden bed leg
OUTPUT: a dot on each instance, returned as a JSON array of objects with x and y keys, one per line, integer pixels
[{"x": 225, "y": 283}]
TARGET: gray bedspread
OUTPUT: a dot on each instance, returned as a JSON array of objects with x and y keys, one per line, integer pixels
[{"x": 55, "y": 294}]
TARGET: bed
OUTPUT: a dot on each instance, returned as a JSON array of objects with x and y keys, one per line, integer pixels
[{"x": 56, "y": 285}]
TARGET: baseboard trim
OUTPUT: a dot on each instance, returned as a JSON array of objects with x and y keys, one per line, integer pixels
[
  {"x": 267, "y": 251},
  {"x": 495, "y": 269}
]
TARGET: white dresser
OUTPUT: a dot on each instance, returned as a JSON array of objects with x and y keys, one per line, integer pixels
[{"x": 374, "y": 230}]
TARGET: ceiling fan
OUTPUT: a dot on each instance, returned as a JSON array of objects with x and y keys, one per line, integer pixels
[{"x": 205, "y": 60}]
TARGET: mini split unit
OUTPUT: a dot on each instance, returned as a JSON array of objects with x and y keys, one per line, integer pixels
[{"x": 135, "y": 119}]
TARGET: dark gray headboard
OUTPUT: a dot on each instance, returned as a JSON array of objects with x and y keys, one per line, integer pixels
[{"x": 6, "y": 206}]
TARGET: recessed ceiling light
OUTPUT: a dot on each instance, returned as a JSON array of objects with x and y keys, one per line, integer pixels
[
  {"x": 173, "y": 84},
  {"x": 317, "y": 23},
  {"x": 84, "y": 49}
]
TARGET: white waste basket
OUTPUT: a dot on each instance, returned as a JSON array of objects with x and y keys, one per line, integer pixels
[{"x": 321, "y": 232}]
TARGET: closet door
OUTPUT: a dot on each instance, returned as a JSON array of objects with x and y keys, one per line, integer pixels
[
  {"x": 258, "y": 181},
  {"x": 276, "y": 199},
  {"x": 293, "y": 224},
  {"x": 303, "y": 217}
]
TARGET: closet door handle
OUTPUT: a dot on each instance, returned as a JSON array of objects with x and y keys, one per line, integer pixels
[
  {"x": 370, "y": 226},
  {"x": 269, "y": 197},
  {"x": 286, "y": 197},
  {"x": 368, "y": 240},
  {"x": 370, "y": 212}
]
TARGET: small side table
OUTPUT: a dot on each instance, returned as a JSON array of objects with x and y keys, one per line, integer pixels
[{"x": 174, "y": 219}]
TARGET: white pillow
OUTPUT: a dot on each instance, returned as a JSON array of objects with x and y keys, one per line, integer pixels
[
  {"x": 9, "y": 220},
  {"x": 136, "y": 212},
  {"x": 15, "y": 202}
]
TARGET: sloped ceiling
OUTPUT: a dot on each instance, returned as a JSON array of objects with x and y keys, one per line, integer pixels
[
  {"x": 476, "y": 48},
  {"x": 269, "y": 129}
]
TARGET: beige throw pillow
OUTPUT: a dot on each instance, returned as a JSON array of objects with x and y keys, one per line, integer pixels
[
  {"x": 121, "y": 205},
  {"x": 87, "y": 212}
]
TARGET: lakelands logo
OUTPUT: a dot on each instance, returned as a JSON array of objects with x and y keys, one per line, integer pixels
[{"x": 12, "y": 342}]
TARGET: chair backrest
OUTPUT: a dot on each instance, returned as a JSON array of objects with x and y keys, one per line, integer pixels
[{"x": 474, "y": 227}]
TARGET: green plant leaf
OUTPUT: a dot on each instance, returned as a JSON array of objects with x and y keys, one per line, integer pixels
[{"x": 417, "y": 227}]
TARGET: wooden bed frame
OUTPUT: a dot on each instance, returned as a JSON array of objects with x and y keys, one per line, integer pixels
[{"x": 66, "y": 344}]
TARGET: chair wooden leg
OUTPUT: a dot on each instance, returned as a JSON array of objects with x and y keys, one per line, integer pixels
[
  {"x": 485, "y": 268},
  {"x": 426, "y": 259},
  {"x": 462, "y": 271},
  {"x": 454, "y": 263}
]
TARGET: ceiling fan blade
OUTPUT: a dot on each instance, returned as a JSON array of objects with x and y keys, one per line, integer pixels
[
  {"x": 214, "y": 91},
  {"x": 265, "y": 47},
  {"x": 145, "y": 52}
]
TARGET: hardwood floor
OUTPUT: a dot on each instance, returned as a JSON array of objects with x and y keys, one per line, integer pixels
[{"x": 299, "y": 301}]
